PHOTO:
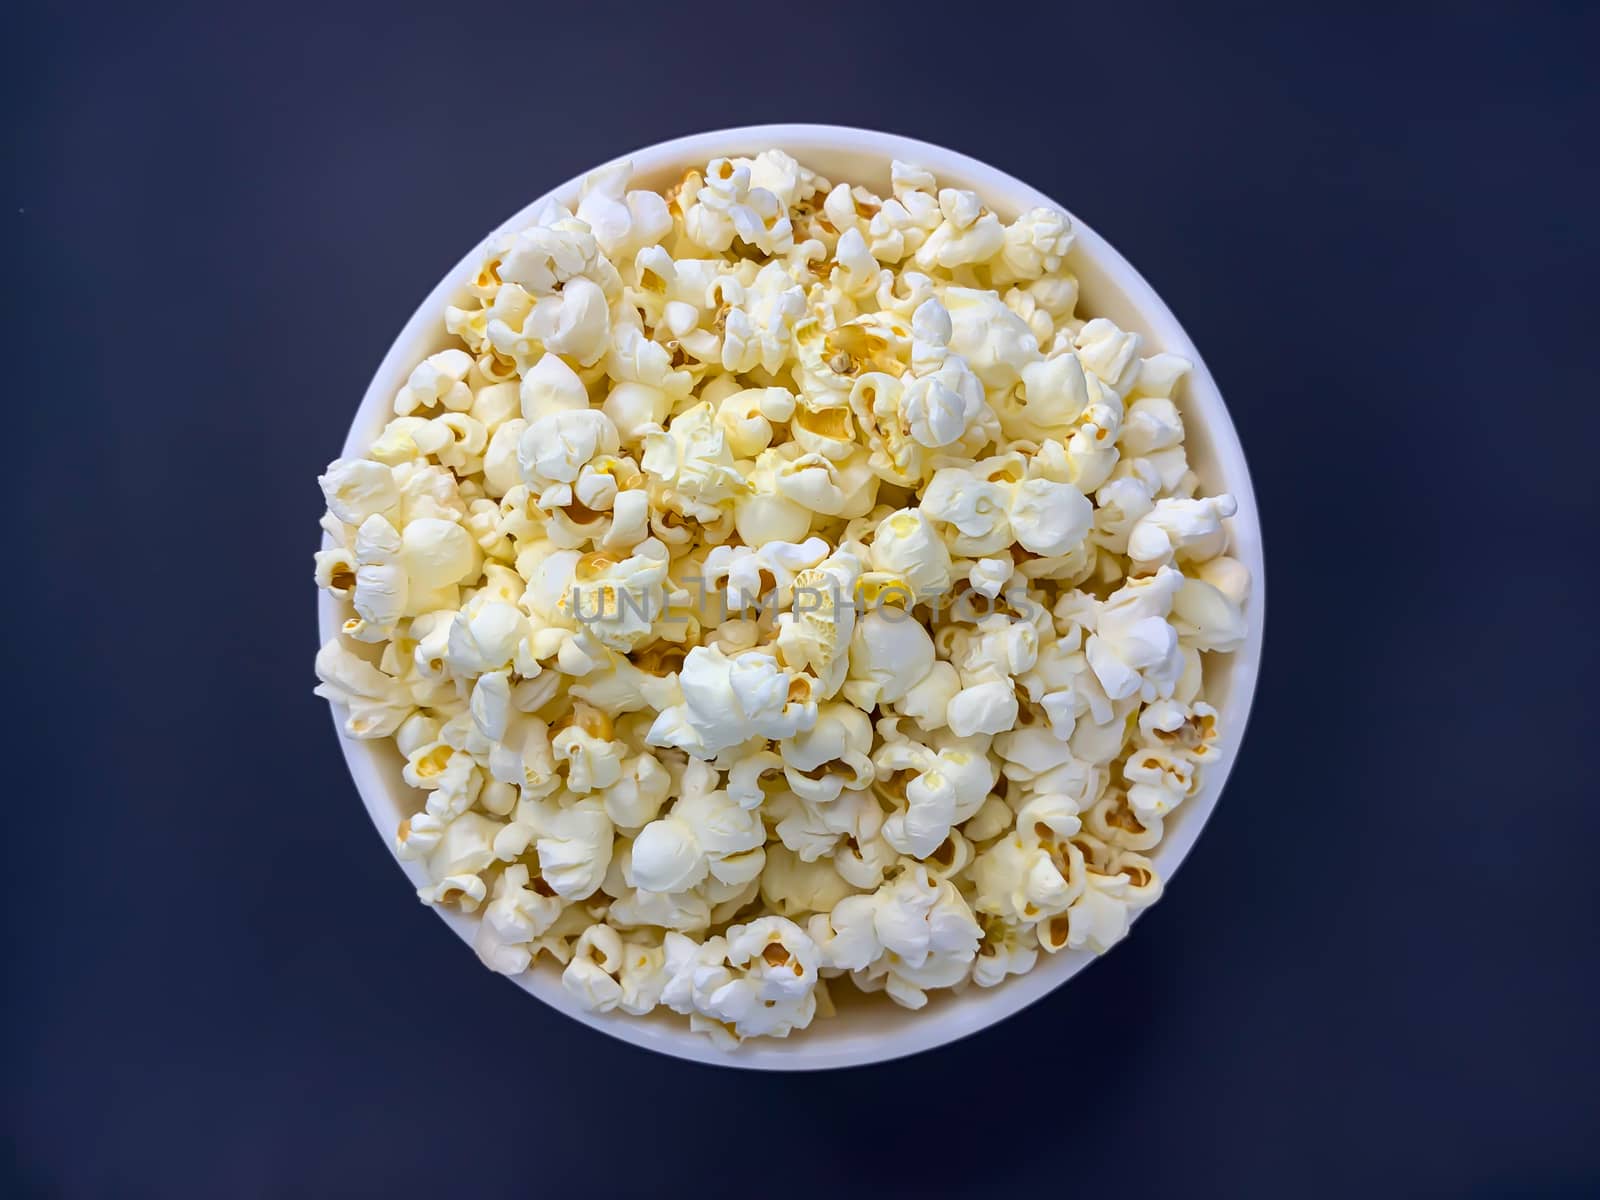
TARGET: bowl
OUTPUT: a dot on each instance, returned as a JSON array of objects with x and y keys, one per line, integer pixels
[{"x": 866, "y": 1028}]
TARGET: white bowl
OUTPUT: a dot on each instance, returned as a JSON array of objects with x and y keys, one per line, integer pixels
[{"x": 867, "y": 1028}]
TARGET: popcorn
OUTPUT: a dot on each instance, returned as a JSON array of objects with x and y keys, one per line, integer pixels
[
  {"x": 521, "y": 910},
  {"x": 456, "y": 440},
  {"x": 1134, "y": 651},
  {"x": 484, "y": 639},
  {"x": 822, "y": 761},
  {"x": 693, "y": 970},
  {"x": 1034, "y": 245},
  {"x": 573, "y": 844},
  {"x": 548, "y": 387},
  {"x": 643, "y": 976},
  {"x": 1109, "y": 353},
  {"x": 1229, "y": 576},
  {"x": 1047, "y": 401},
  {"x": 546, "y": 256},
  {"x": 927, "y": 701},
  {"x": 992, "y": 820},
  {"x": 947, "y": 786},
  {"x": 901, "y": 225},
  {"x": 636, "y": 409},
  {"x": 788, "y": 181},
  {"x": 988, "y": 576},
  {"x": 1049, "y": 518},
  {"x": 759, "y": 331},
  {"x": 437, "y": 553},
  {"x": 826, "y": 487},
  {"x": 1182, "y": 531},
  {"x": 356, "y": 489},
  {"x": 864, "y": 859},
  {"x": 382, "y": 592},
  {"x": 939, "y": 405},
  {"x": 623, "y": 223},
  {"x": 759, "y": 979},
  {"x": 976, "y": 511},
  {"x": 398, "y": 441},
  {"x": 849, "y": 208},
  {"x": 630, "y": 523},
  {"x": 590, "y": 975},
  {"x": 906, "y": 546},
  {"x": 1033, "y": 873},
  {"x": 465, "y": 849},
  {"x": 635, "y": 908},
  {"x": 428, "y": 492},
  {"x": 639, "y": 791},
  {"x": 464, "y": 892},
  {"x": 1034, "y": 316},
  {"x": 969, "y": 234},
  {"x": 826, "y": 430},
  {"x": 1150, "y": 424},
  {"x": 499, "y": 334},
  {"x": 1206, "y": 619},
  {"x": 729, "y": 700},
  {"x": 1114, "y": 822},
  {"x": 815, "y": 635},
  {"x": 438, "y": 381},
  {"x": 986, "y": 707},
  {"x": 375, "y": 703},
  {"x": 1158, "y": 781},
  {"x": 747, "y": 571},
  {"x": 1100, "y": 917},
  {"x": 857, "y": 272},
  {"x": 966, "y": 580},
  {"x": 889, "y": 656},
  {"x": 773, "y": 995},
  {"x": 1158, "y": 376},
  {"x": 692, "y": 464},
  {"x": 618, "y": 602},
  {"x": 989, "y": 337},
  {"x": 448, "y": 773},
  {"x": 705, "y": 833},
  {"x": 555, "y": 447},
  {"x": 706, "y": 216},
  {"x": 793, "y": 886},
  {"x": 749, "y": 774},
  {"x": 1120, "y": 505},
  {"x": 593, "y": 759},
  {"x": 501, "y": 470},
  {"x": 1056, "y": 295},
  {"x": 763, "y": 514},
  {"x": 817, "y": 831},
  {"x": 914, "y": 933},
  {"x": 749, "y": 414},
  {"x": 1005, "y": 950}
]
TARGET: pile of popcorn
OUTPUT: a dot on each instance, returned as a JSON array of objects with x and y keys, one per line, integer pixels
[{"x": 776, "y": 584}]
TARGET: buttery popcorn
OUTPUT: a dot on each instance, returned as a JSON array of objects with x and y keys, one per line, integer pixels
[{"x": 774, "y": 583}]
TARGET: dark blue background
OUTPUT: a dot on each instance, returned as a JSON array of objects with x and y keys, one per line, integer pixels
[{"x": 1376, "y": 974}]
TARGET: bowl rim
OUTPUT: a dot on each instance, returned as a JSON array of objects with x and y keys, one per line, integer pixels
[{"x": 940, "y": 1024}]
